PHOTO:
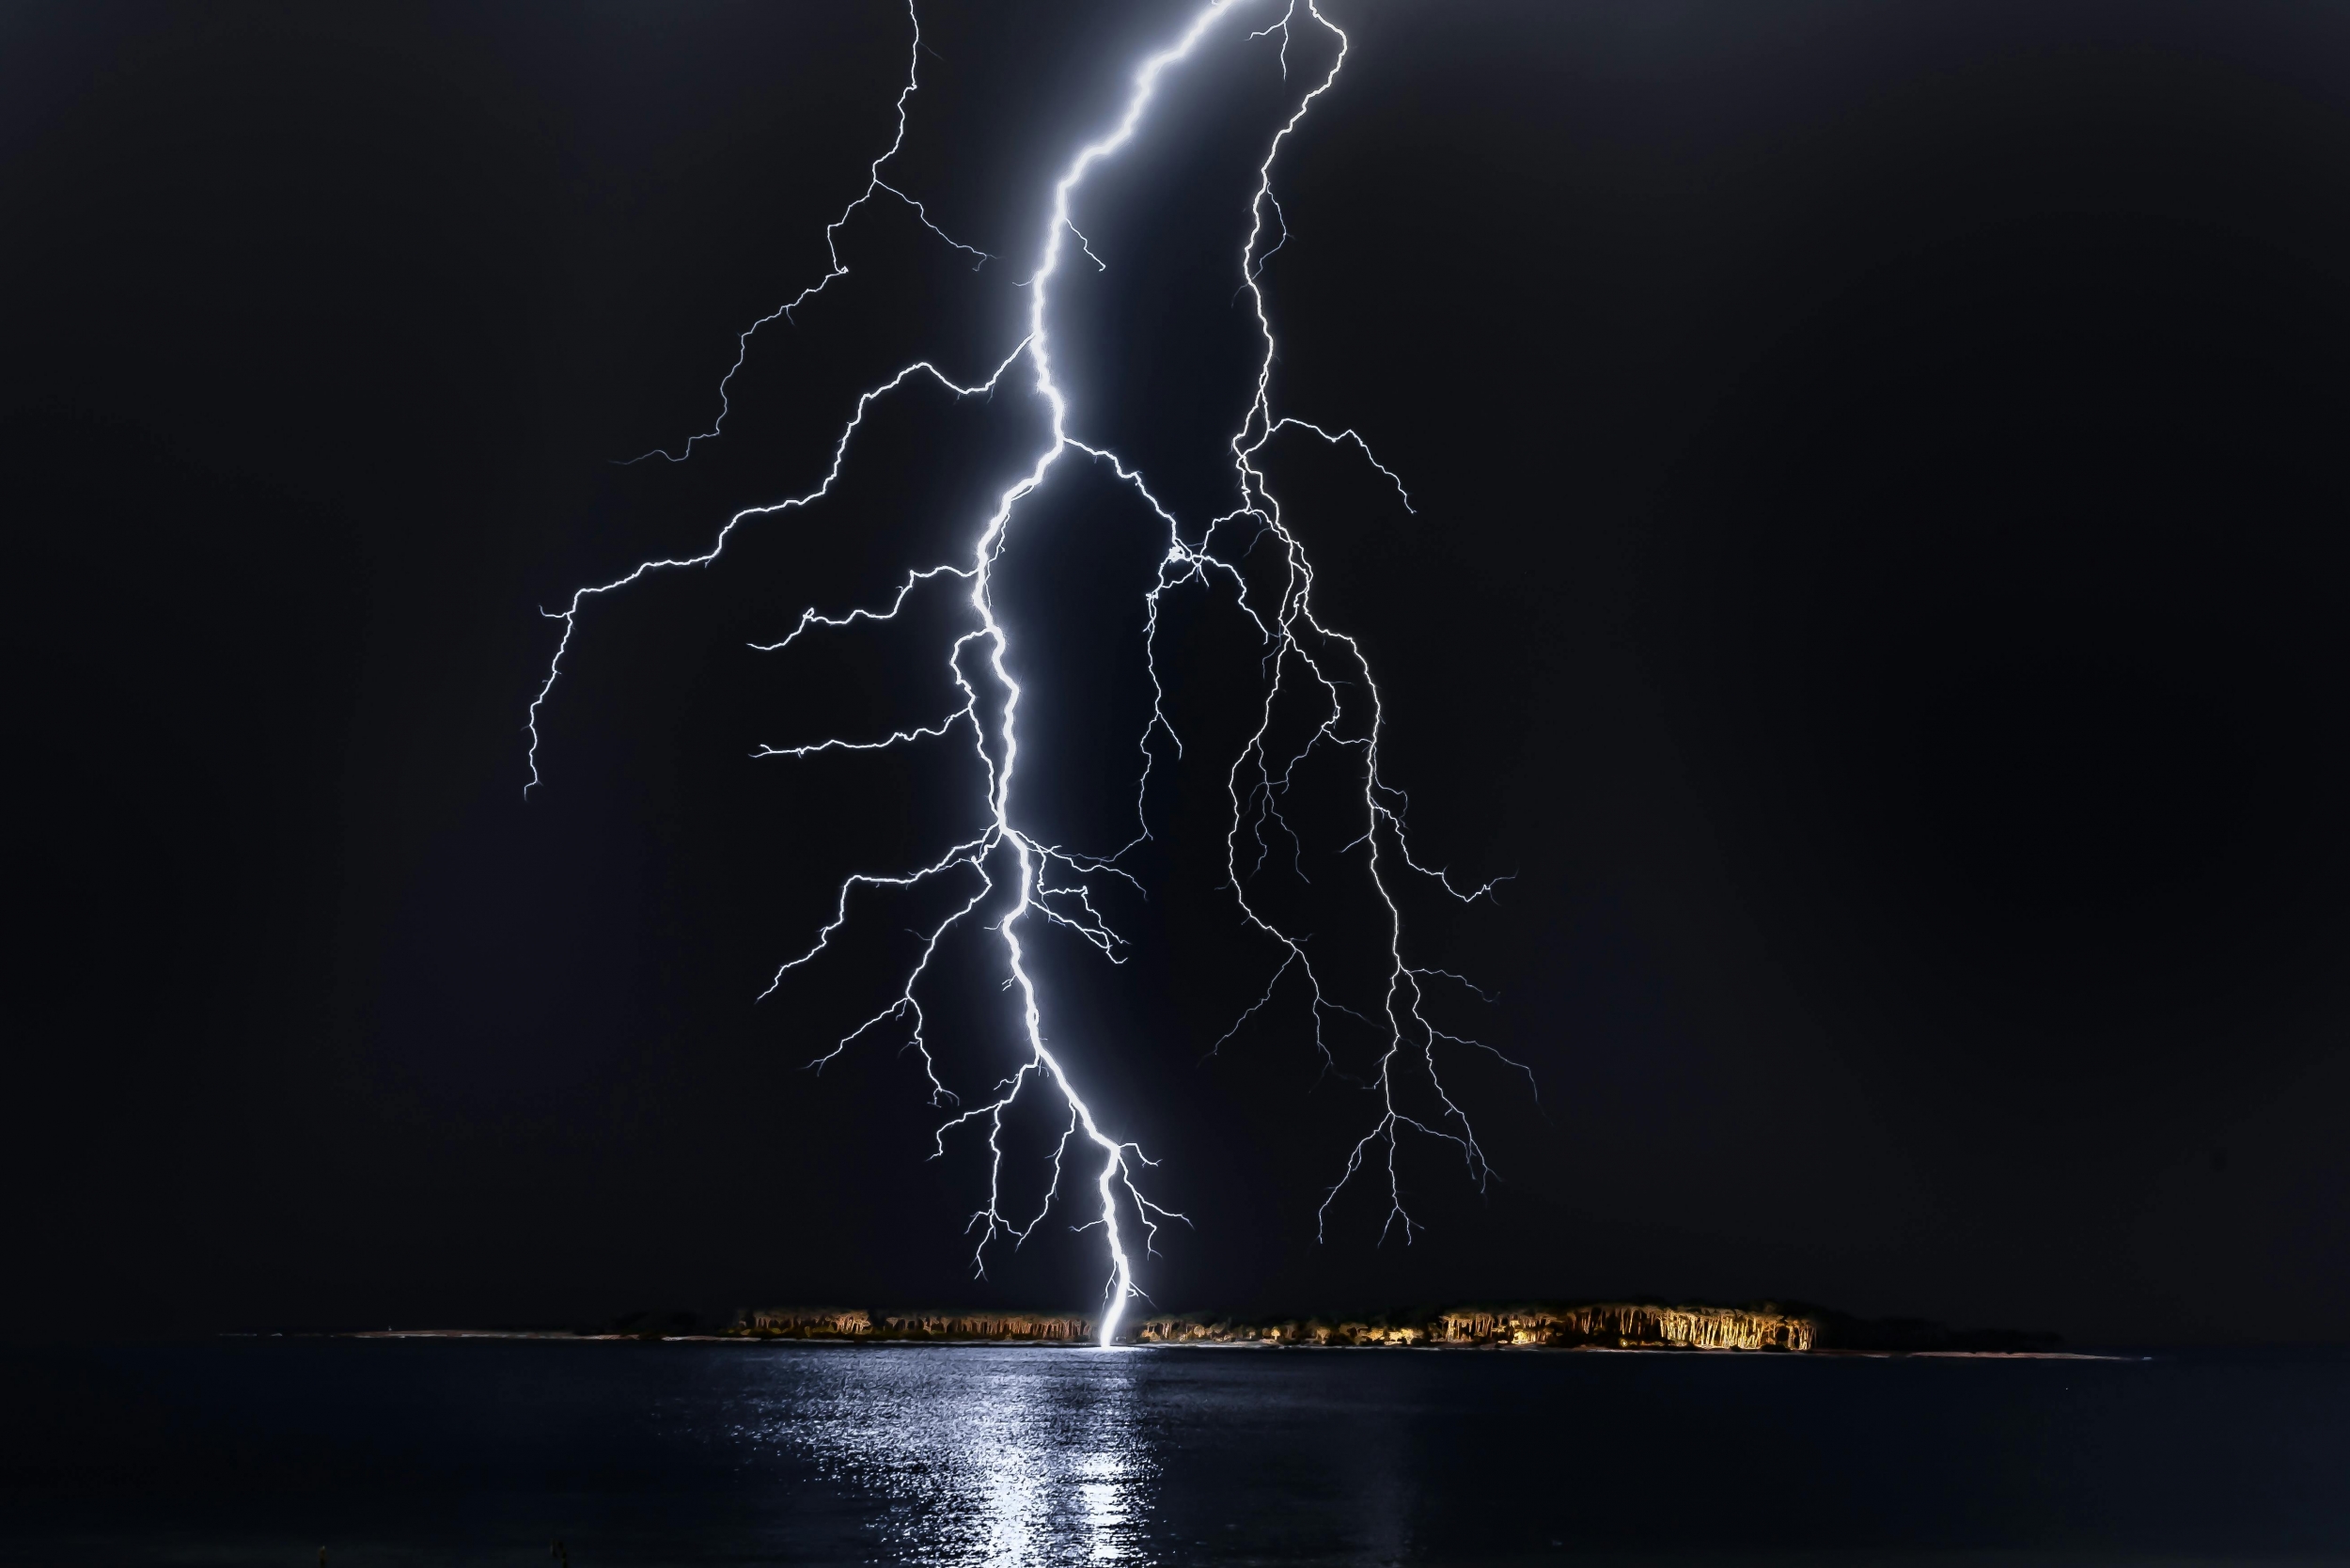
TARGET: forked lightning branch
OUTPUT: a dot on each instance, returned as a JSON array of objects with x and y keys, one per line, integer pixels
[{"x": 1309, "y": 668}]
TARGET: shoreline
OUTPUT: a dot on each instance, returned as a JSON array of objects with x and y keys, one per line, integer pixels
[{"x": 558, "y": 1336}]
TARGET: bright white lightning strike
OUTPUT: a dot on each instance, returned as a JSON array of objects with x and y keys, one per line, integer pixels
[{"x": 1303, "y": 657}]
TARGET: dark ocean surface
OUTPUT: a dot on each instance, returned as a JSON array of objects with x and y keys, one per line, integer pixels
[{"x": 464, "y": 1453}]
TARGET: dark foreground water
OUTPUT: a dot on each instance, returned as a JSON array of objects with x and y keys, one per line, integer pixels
[{"x": 484, "y": 1452}]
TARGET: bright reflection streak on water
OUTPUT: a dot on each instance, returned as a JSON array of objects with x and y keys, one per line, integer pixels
[
  {"x": 1001, "y": 1457},
  {"x": 452, "y": 1455}
]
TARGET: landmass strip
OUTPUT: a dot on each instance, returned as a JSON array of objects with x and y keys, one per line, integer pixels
[
  {"x": 1586, "y": 1326},
  {"x": 1787, "y": 1328}
]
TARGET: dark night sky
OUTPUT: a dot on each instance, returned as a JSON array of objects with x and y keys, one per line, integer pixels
[{"x": 1876, "y": 583}]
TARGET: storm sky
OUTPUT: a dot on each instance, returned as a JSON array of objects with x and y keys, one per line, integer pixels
[{"x": 1875, "y": 585}]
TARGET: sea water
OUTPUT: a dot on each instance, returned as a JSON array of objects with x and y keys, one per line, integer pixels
[{"x": 464, "y": 1453}]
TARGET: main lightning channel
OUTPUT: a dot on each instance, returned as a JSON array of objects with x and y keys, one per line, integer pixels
[{"x": 1299, "y": 646}]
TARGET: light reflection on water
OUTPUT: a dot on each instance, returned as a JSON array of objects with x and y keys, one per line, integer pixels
[
  {"x": 1021, "y": 1455},
  {"x": 440, "y": 1455},
  {"x": 1001, "y": 1456}
]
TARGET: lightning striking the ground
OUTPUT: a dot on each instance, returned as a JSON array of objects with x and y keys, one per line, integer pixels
[{"x": 1003, "y": 872}]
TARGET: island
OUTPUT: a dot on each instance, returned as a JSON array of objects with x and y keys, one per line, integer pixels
[{"x": 1793, "y": 1328}]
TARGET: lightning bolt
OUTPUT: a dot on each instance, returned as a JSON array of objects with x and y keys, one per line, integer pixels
[
  {"x": 1305, "y": 662},
  {"x": 875, "y": 186}
]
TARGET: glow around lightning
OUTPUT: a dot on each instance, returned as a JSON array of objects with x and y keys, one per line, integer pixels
[{"x": 1304, "y": 660}]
